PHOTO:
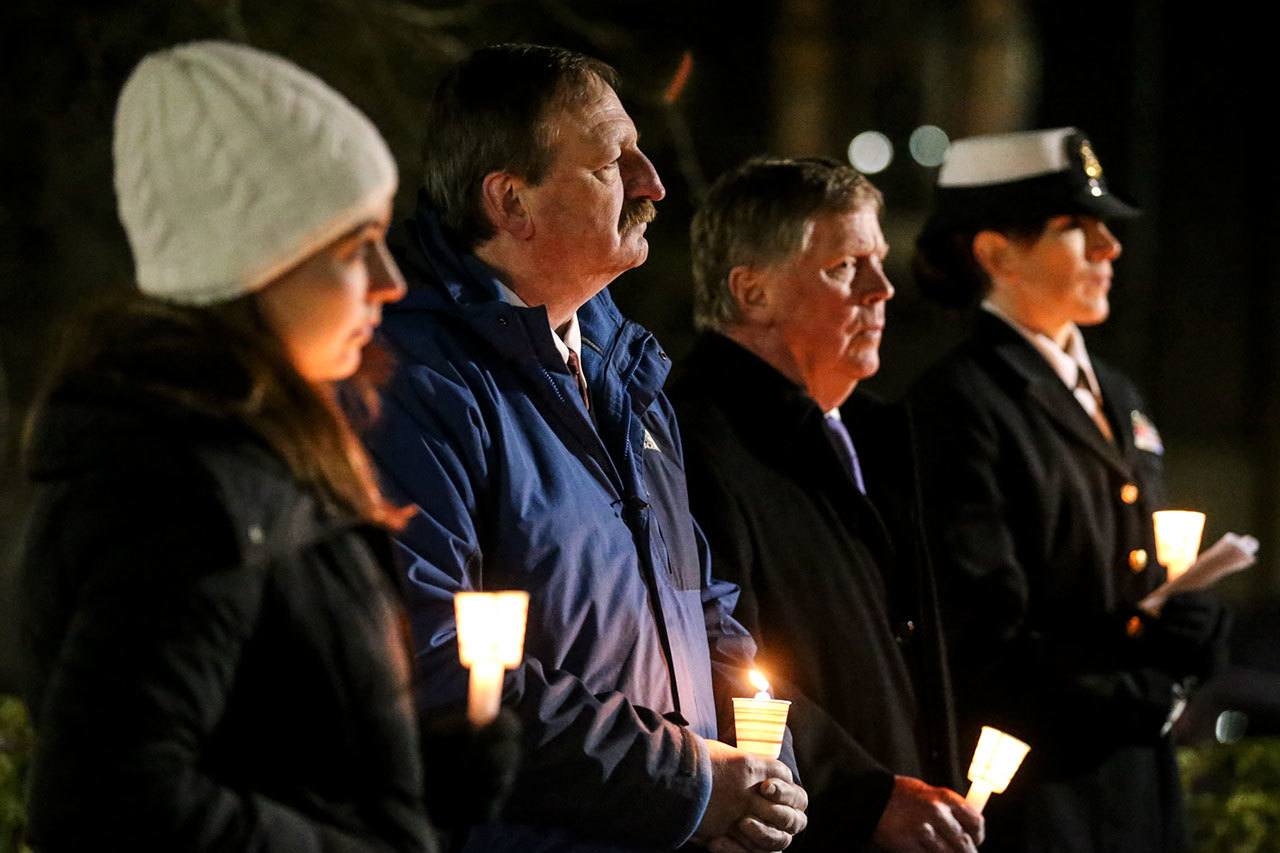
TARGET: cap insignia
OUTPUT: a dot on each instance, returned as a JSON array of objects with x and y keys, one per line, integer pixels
[{"x": 1092, "y": 168}]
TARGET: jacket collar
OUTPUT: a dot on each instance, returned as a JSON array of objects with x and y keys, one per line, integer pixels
[
  {"x": 1043, "y": 385},
  {"x": 756, "y": 394},
  {"x": 427, "y": 255},
  {"x": 780, "y": 420},
  {"x": 446, "y": 280},
  {"x": 98, "y": 419}
]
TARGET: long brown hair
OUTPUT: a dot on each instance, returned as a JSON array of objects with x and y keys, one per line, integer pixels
[{"x": 224, "y": 362}]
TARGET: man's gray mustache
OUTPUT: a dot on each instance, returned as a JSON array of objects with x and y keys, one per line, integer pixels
[{"x": 636, "y": 213}]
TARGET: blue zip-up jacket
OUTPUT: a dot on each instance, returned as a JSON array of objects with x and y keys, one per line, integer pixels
[{"x": 518, "y": 487}]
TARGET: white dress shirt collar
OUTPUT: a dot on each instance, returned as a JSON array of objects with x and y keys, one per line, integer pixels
[
  {"x": 568, "y": 338},
  {"x": 1068, "y": 363}
]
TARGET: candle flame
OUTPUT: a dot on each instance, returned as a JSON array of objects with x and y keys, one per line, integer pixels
[{"x": 758, "y": 681}]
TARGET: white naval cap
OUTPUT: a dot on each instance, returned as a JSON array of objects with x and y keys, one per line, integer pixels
[
  {"x": 1020, "y": 177},
  {"x": 1004, "y": 157}
]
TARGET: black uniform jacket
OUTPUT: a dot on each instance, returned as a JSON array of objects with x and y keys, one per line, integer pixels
[
  {"x": 215, "y": 660},
  {"x": 1043, "y": 545},
  {"x": 836, "y": 586}
]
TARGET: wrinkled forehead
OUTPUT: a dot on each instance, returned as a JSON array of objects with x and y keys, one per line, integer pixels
[
  {"x": 855, "y": 229},
  {"x": 572, "y": 93},
  {"x": 586, "y": 110}
]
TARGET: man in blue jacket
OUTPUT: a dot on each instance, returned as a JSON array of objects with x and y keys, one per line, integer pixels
[{"x": 526, "y": 422}]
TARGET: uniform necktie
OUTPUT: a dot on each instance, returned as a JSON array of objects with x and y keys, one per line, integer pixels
[
  {"x": 844, "y": 449},
  {"x": 1091, "y": 403},
  {"x": 575, "y": 367}
]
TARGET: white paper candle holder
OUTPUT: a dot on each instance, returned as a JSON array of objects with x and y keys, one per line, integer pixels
[
  {"x": 996, "y": 759},
  {"x": 1178, "y": 533},
  {"x": 760, "y": 721}
]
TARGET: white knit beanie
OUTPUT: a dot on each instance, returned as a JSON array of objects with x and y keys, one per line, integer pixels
[{"x": 233, "y": 165}]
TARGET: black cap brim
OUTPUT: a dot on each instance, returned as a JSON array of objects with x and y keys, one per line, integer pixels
[{"x": 1104, "y": 206}]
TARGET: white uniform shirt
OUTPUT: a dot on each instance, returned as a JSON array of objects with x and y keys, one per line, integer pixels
[{"x": 1070, "y": 363}]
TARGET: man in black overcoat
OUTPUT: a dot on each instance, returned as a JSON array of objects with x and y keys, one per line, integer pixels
[{"x": 808, "y": 497}]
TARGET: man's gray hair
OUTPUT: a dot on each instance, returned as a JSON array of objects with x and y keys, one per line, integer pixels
[{"x": 756, "y": 215}]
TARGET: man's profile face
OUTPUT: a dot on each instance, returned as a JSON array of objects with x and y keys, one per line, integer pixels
[
  {"x": 828, "y": 298},
  {"x": 590, "y": 211}
]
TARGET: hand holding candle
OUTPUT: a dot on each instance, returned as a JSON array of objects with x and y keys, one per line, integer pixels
[
  {"x": 1178, "y": 535},
  {"x": 490, "y": 641},
  {"x": 760, "y": 721},
  {"x": 996, "y": 759}
]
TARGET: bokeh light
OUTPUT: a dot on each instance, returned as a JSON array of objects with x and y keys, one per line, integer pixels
[
  {"x": 870, "y": 152},
  {"x": 928, "y": 145},
  {"x": 1230, "y": 726}
]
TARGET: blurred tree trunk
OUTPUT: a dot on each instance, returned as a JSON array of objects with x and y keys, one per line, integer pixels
[
  {"x": 803, "y": 59},
  {"x": 1002, "y": 68}
]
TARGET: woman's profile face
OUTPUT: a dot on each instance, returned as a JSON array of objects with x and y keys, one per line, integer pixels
[
  {"x": 325, "y": 309},
  {"x": 1063, "y": 276}
]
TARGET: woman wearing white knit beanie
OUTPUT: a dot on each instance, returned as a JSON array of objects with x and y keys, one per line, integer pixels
[{"x": 218, "y": 656}]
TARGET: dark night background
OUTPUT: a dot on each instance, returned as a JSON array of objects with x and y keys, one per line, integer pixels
[{"x": 1177, "y": 102}]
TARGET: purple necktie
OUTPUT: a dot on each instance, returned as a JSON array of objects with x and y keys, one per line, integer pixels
[{"x": 844, "y": 448}]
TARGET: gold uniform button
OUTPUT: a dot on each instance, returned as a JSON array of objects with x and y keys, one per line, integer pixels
[
  {"x": 1138, "y": 559},
  {"x": 1129, "y": 493}
]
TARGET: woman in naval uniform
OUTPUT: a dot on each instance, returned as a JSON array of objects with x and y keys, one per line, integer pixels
[{"x": 1042, "y": 469}]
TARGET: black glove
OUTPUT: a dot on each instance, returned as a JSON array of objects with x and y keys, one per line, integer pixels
[
  {"x": 1188, "y": 638},
  {"x": 468, "y": 772}
]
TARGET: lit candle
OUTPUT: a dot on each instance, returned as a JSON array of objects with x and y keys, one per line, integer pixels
[
  {"x": 996, "y": 759},
  {"x": 1178, "y": 535},
  {"x": 490, "y": 641},
  {"x": 761, "y": 720},
  {"x": 760, "y": 683}
]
